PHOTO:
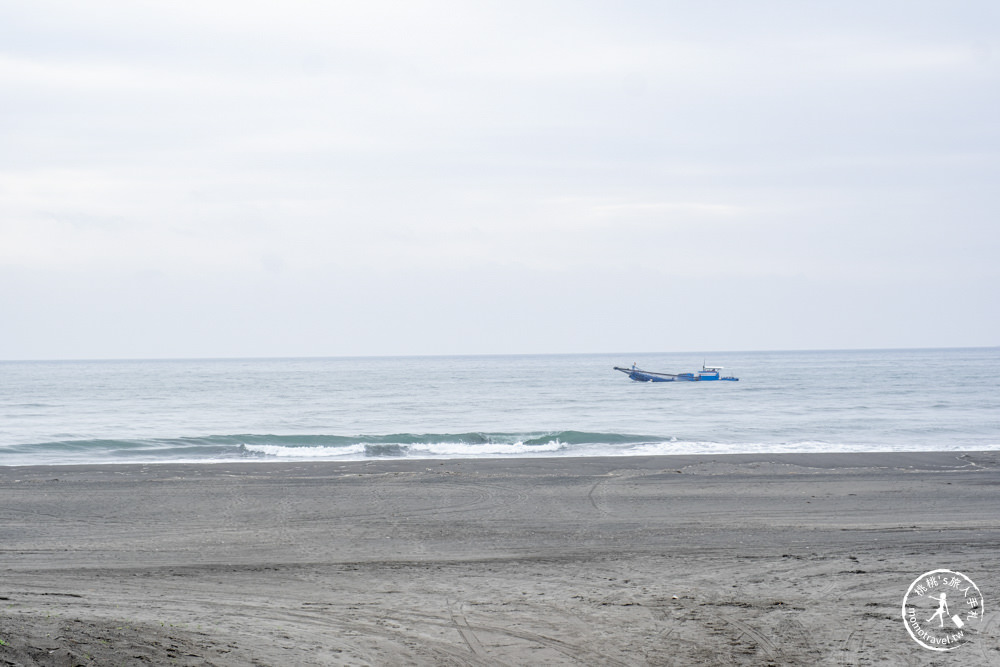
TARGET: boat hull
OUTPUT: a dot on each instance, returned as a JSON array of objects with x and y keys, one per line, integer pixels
[
  {"x": 639, "y": 376},
  {"x": 648, "y": 376}
]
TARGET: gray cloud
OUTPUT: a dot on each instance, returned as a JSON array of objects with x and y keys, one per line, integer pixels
[{"x": 504, "y": 178}]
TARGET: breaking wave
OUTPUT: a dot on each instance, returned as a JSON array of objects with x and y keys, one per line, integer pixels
[
  {"x": 248, "y": 447},
  {"x": 214, "y": 448}
]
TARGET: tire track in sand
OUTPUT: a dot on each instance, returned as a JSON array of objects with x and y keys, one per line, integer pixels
[
  {"x": 461, "y": 624},
  {"x": 582, "y": 654},
  {"x": 753, "y": 635},
  {"x": 852, "y": 647}
]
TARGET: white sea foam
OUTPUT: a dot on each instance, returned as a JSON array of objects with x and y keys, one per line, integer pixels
[
  {"x": 555, "y": 448},
  {"x": 486, "y": 449},
  {"x": 674, "y": 446},
  {"x": 307, "y": 452},
  {"x": 416, "y": 450}
]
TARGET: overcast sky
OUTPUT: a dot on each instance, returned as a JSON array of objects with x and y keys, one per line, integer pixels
[{"x": 190, "y": 179}]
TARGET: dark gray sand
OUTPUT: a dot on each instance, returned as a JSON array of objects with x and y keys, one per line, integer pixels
[{"x": 752, "y": 559}]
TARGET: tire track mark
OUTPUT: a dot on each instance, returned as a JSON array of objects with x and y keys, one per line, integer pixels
[
  {"x": 600, "y": 488},
  {"x": 593, "y": 502},
  {"x": 754, "y": 635},
  {"x": 461, "y": 624},
  {"x": 852, "y": 647},
  {"x": 580, "y": 653},
  {"x": 794, "y": 633},
  {"x": 987, "y": 631}
]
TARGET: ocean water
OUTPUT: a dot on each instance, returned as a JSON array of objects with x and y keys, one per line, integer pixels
[{"x": 56, "y": 412}]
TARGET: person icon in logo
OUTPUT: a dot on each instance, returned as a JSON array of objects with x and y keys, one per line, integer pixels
[{"x": 941, "y": 610}]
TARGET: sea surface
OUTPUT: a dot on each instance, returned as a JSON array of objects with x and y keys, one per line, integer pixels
[{"x": 68, "y": 412}]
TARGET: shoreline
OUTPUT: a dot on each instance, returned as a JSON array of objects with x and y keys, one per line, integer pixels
[
  {"x": 931, "y": 457},
  {"x": 681, "y": 559}
]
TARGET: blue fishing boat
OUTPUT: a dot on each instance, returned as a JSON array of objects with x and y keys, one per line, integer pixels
[{"x": 706, "y": 374}]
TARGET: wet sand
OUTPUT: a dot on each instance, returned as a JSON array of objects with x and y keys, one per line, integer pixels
[{"x": 746, "y": 560}]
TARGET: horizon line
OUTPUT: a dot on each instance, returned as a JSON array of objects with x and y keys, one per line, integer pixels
[{"x": 445, "y": 355}]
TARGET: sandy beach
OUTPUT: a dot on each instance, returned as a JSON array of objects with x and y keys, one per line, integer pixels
[{"x": 744, "y": 559}]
